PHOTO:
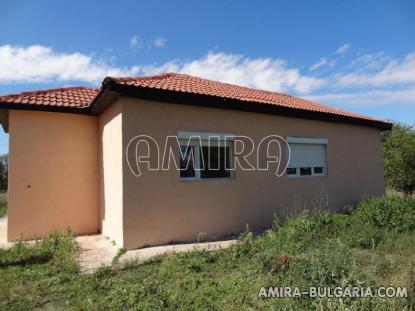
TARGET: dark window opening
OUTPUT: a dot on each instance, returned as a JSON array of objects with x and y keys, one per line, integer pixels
[
  {"x": 305, "y": 171},
  {"x": 214, "y": 162},
  {"x": 187, "y": 165},
  {"x": 291, "y": 171}
]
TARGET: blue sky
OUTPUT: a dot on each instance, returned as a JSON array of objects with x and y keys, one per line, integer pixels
[{"x": 354, "y": 55}]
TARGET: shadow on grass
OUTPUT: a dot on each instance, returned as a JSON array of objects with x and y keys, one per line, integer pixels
[{"x": 27, "y": 260}]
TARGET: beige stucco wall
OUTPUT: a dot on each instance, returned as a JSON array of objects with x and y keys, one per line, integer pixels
[
  {"x": 69, "y": 170},
  {"x": 159, "y": 208},
  {"x": 53, "y": 179},
  {"x": 111, "y": 187}
]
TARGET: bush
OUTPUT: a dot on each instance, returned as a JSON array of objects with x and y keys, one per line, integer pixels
[
  {"x": 394, "y": 213},
  {"x": 399, "y": 153}
]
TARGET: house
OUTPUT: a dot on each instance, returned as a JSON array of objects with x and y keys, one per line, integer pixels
[{"x": 70, "y": 164}]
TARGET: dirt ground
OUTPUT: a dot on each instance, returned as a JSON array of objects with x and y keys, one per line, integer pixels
[{"x": 97, "y": 251}]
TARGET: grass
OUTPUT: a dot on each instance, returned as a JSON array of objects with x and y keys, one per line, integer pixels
[{"x": 372, "y": 245}]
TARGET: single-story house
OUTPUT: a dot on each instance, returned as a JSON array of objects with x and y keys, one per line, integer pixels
[{"x": 69, "y": 165}]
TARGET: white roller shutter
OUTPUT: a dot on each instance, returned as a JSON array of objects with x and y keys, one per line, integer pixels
[{"x": 307, "y": 155}]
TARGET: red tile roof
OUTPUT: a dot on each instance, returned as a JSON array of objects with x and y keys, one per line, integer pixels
[
  {"x": 189, "y": 84},
  {"x": 73, "y": 97}
]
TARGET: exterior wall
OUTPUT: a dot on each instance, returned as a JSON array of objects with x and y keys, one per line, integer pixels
[
  {"x": 159, "y": 208},
  {"x": 53, "y": 179},
  {"x": 111, "y": 187}
]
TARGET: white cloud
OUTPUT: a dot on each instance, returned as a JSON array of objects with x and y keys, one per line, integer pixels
[
  {"x": 42, "y": 64},
  {"x": 135, "y": 42},
  {"x": 38, "y": 63},
  {"x": 382, "y": 72},
  {"x": 343, "y": 48},
  {"x": 265, "y": 73},
  {"x": 159, "y": 42},
  {"x": 373, "y": 98},
  {"x": 323, "y": 61},
  {"x": 370, "y": 79},
  {"x": 369, "y": 61}
]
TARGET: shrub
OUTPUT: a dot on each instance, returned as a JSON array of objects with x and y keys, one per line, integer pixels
[
  {"x": 388, "y": 213},
  {"x": 399, "y": 154}
]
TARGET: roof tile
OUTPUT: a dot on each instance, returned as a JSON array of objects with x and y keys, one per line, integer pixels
[
  {"x": 75, "y": 97},
  {"x": 81, "y": 97},
  {"x": 190, "y": 84}
]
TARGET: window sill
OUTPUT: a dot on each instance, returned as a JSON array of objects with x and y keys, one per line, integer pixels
[
  {"x": 304, "y": 176},
  {"x": 204, "y": 179}
]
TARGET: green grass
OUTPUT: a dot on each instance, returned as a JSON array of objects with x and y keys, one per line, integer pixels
[{"x": 373, "y": 245}]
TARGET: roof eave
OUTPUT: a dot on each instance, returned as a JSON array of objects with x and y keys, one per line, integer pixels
[
  {"x": 106, "y": 96},
  {"x": 35, "y": 107},
  {"x": 111, "y": 90}
]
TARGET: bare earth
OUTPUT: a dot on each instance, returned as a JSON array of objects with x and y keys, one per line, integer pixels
[
  {"x": 97, "y": 251},
  {"x": 3, "y": 232}
]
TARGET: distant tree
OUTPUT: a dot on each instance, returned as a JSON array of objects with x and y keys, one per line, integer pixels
[
  {"x": 4, "y": 169},
  {"x": 399, "y": 152}
]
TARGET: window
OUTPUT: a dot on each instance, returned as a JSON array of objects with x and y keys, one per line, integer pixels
[
  {"x": 305, "y": 171},
  {"x": 307, "y": 157},
  {"x": 291, "y": 171},
  {"x": 187, "y": 163},
  {"x": 202, "y": 158},
  {"x": 318, "y": 170},
  {"x": 215, "y": 162}
]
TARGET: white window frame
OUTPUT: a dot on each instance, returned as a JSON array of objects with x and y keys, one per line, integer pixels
[
  {"x": 306, "y": 140},
  {"x": 202, "y": 139}
]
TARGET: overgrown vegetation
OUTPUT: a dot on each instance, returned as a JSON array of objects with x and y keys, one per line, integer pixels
[
  {"x": 3, "y": 204},
  {"x": 372, "y": 245},
  {"x": 3, "y": 209},
  {"x": 399, "y": 153},
  {"x": 4, "y": 171}
]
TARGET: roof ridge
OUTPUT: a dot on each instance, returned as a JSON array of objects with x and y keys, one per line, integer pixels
[
  {"x": 167, "y": 74},
  {"x": 142, "y": 78},
  {"x": 234, "y": 85}
]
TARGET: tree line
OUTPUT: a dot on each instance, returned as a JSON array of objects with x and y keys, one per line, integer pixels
[
  {"x": 399, "y": 153},
  {"x": 4, "y": 164}
]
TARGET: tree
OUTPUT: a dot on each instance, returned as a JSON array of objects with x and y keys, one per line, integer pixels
[
  {"x": 4, "y": 169},
  {"x": 399, "y": 152}
]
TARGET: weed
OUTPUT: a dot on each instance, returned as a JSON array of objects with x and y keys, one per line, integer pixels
[{"x": 373, "y": 245}]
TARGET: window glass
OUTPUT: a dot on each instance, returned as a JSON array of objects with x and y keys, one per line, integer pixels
[
  {"x": 187, "y": 165},
  {"x": 318, "y": 170},
  {"x": 291, "y": 171},
  {"x": 305, "y": 171},
  {"x": 214, "y": 162}
]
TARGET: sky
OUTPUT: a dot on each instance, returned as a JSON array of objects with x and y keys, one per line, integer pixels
[{"x": 354, "y": 55}]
